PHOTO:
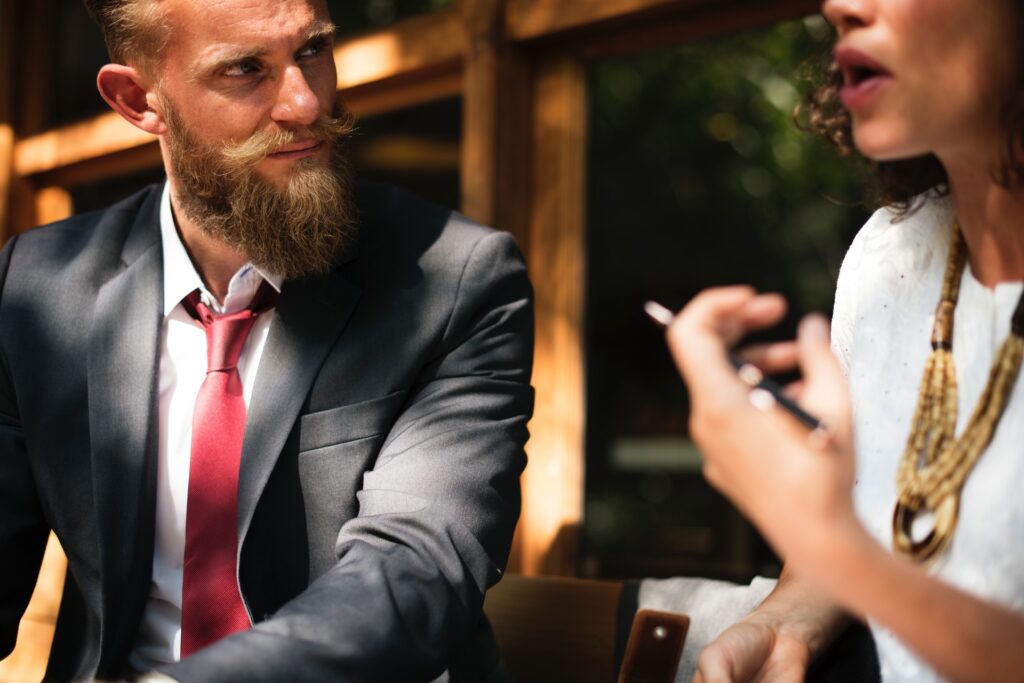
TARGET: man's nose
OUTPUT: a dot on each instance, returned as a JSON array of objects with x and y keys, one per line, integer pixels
[{"x": 296, "y": 101}]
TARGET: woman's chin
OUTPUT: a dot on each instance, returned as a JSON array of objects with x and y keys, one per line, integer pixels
[{"x": 884, "y": 147}]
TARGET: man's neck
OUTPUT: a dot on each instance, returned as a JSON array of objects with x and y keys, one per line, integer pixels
[{"x": 214, "y": 260}]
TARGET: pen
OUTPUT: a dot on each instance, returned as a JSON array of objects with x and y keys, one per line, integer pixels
[{"x": 764, "y": 393}]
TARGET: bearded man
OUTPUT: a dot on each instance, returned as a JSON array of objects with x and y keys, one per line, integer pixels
[{"x": 275, "y": 417}]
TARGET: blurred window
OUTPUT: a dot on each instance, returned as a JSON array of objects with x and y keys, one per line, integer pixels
[
  {"x": 697, "y": 177},
  {"x": 416, "y": 148},
  {"x": 79, "y": 52},
  {"x": 99, "y": 195}
]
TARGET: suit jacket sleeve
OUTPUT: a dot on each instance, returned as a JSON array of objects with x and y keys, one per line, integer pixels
[
  {"x": 23, "y": 530},
  {"x": 436, "y": 513}
]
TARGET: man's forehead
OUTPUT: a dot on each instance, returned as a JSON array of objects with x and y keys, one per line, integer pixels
[{"x": 203, "y": 26}]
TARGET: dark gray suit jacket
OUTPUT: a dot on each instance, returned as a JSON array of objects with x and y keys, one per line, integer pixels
[{"x": 380, "y": 472}]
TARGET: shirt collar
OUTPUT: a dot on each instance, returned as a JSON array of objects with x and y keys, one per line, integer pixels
[{"x": 180, "y": 276}]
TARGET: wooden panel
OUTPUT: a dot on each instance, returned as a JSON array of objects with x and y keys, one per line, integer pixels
[
  {"x": 418, "y": 43},
  {"x": 496, "y": 123},
  {"x": 93, "y": 169},
  {"x": 530, "y": 19},
  {"x": 553, "y": 481},
  {"x": 636, "y": 25},
  {"x": 7, "y": 21},
  {"x": 102, "y": 135},
  {"x": 398, "y": 93},
  {"x": 21, "y": 214},
  {"x": 480, "y": 110},
  {"x": 702, "y": 23},
  {"x": 52, "y": 204},
  {"x": 554, "y": 629},
  {"x": 35, "y": 57},
  {"x": 6, "y": 176},
  {"x": 27, "y": 662}
]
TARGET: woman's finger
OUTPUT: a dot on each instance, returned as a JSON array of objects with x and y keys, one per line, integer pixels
[
  {"x": 824, "y": 381},
  {"x": 794, "y": 390},
  {"x": 709, "y": 325},
  {"x": 771, "y": 358}
]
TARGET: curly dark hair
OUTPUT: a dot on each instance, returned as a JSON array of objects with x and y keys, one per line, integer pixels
[{"x": 901, "y": 182}]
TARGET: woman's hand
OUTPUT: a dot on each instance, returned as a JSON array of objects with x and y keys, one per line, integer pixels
[
  {"x": 777, "y": 641},
  {"x": 753, "y": 651},
  {"x": 797, "y": 492}
]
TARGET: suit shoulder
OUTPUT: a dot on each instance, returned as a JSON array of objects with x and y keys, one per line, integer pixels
[{"x": 393, "y": 221}]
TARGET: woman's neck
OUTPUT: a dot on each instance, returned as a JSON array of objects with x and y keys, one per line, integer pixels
[{"x": 992, "y": 220}]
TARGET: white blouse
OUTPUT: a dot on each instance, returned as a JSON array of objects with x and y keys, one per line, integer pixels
[{"x": 886, "y": 297}]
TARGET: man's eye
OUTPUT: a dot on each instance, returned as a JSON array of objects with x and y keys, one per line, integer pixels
[
  {"x": 246, "y": 68},
  {"x": 313, "y": 49}
]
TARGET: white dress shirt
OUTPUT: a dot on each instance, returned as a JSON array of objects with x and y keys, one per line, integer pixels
[{"x": 182, "y": 371}]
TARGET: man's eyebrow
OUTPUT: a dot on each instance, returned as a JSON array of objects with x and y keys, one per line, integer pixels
[
  {"x": 228, "y": 56},
  {"x": 321, "y": 30}
]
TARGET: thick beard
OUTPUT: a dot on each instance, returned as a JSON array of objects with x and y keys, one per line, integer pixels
[{"x": 292, "y": 231}]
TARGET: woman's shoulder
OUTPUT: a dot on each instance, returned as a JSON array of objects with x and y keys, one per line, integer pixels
[
  {"x": 892, "y": 267},
  {"x": 903, "y": 244}
]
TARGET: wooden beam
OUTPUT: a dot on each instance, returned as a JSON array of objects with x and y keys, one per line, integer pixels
[
  {"x": 91, "y": 169},
  {"x": 532, "y": 19},
  {"x": 556, "y": 254},
  {"x": 100, "y": 136},
  {"x": 27, "y": 662},
  {"x": 398, "y": 93},
  {"x": 636, "y": 21},
  {"x": 35, "y": 59},
  {"x": 53, "y": 204},
  {"x": 429, "y": 45},
  {"x": 496, "y": 123},
  {"x": 702, "y": 23},
  {"x": 420, "y": 43},
  {"x": 7, "y": 26},
  {"x": 480, "y": 109}
]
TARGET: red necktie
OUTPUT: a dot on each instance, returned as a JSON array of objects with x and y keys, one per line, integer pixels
[{"x": 211, "y": 605}]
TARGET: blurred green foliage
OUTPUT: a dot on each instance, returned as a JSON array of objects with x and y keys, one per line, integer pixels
[
  {"x": 697, "y": 177},
  {"x": 710, "y": 145}
]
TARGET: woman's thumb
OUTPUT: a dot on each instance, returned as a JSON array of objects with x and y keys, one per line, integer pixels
[{"x": 824, "y": 382}]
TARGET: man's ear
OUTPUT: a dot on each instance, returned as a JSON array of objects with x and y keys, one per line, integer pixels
[{"x": 126, "y": 91}]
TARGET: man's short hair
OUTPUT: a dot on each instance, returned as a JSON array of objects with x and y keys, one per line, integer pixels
[{"x": 134, "y": 30}]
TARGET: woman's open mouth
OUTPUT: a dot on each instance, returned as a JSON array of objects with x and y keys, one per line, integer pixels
[{"x": 862, "y": 77}]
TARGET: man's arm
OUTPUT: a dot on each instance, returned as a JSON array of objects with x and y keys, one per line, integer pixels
[
  {"x": 436, "y": 514},
  {"x": 23, "y": 530}
]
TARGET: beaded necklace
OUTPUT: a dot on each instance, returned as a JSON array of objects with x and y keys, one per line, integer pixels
[{"x": 936, "y": 462}]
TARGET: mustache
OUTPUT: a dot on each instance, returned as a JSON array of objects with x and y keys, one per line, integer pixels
[{"x": 249, "y": 152}]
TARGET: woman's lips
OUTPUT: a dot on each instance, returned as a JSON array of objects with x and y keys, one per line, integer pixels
[
  {"x": 298, "y": 150},
  {"x": 863, "y": 77}
]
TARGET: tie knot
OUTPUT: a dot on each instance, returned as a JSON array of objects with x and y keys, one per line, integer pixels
[
  {"x": 225, "y": 337},
  {"x": 226, "y": 334}
]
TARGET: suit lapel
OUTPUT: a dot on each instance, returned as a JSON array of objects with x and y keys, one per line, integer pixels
[
  {"x": 310, "y": 316},
  {"x": 123, "y": 357}
]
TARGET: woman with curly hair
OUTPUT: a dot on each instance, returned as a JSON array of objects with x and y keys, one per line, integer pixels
[{"x": 907, "y": 509}]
